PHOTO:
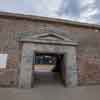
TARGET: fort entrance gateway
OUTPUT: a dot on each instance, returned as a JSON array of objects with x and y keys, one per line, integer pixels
[{"x": 48, "y": 44}]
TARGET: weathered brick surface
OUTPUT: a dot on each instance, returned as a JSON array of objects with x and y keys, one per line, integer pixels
[{"x": 88, "y": 51}]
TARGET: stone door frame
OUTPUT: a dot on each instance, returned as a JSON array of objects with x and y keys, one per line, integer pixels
[{"x": 32, "y": 45}]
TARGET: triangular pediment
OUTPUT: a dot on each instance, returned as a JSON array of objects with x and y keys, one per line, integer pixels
[{"x": 51, "y": 38}]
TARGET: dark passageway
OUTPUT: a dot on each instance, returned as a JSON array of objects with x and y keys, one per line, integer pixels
[{"x": 48, "y": 69}]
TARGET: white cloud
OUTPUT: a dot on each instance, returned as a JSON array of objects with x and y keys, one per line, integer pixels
[
  {"x": 38, "y": 7},
  {"x": 86, "y": 2},
  {"x": 89, "y": 13},
  {"x": 88, "y": 10},
  {"x": 47, "y": 8}
]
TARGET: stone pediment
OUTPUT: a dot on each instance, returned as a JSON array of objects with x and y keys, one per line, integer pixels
[{"x": 48, "y": 38}]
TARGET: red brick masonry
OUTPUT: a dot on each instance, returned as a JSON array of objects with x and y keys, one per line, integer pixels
[{"x": 87, "y": 35}]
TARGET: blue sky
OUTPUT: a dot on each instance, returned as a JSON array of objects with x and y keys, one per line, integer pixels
[{"x": 78, "y": 10}]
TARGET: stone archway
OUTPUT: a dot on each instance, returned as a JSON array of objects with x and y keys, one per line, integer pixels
[{"x": 47, "y": 43}]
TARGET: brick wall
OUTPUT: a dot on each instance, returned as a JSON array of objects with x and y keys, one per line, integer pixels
[{"x": 88, "y": 51}]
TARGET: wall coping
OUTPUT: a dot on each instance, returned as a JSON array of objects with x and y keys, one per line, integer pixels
[{"x": 48, "y": 19}]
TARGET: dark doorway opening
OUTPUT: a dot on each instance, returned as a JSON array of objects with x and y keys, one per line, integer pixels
[{"x": 49, "y": 68}]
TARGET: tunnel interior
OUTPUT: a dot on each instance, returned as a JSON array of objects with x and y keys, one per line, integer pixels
[{"x": 48, "y": 68}]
